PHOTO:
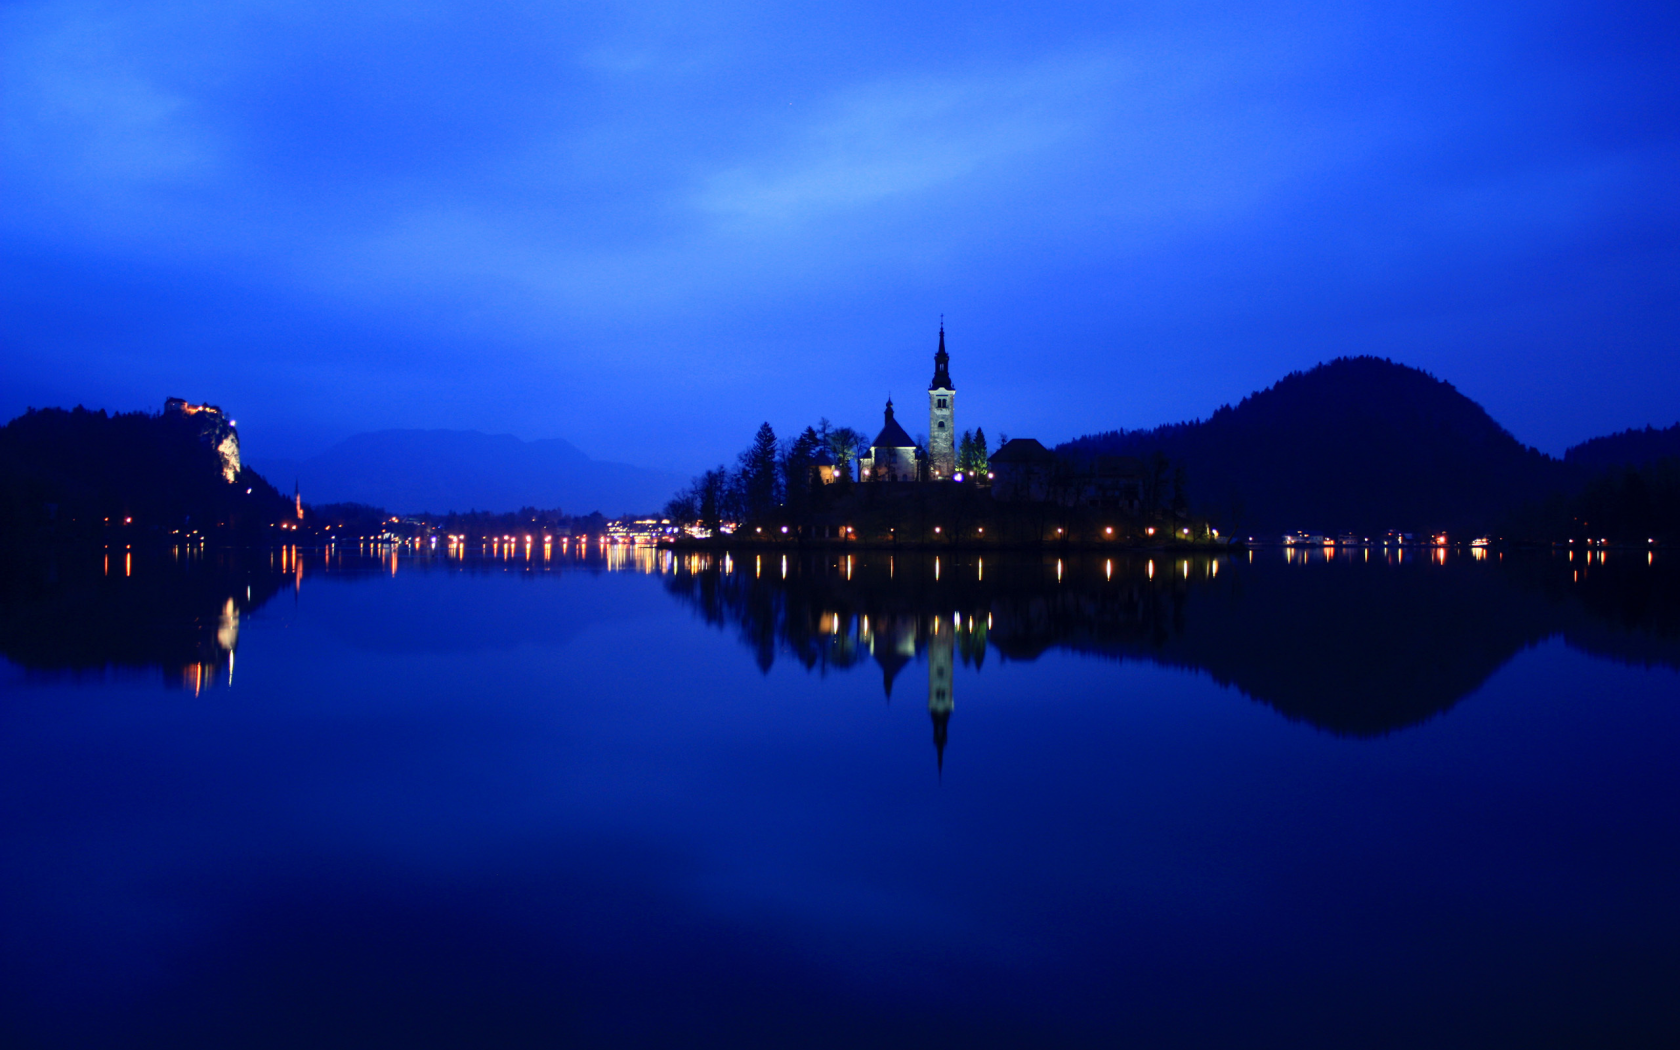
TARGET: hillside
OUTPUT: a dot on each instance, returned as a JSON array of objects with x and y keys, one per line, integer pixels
[
  {"x": 1359, "y": 444},
  {"x": 1630, "y": 447},
  {"x": 408, "y": 471},
  {"x": 74, "y": 473}
]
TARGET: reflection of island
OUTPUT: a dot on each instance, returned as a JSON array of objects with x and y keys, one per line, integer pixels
[
  {"x": 1351, "y": 644},
  {"x": 80, "y": 611}
]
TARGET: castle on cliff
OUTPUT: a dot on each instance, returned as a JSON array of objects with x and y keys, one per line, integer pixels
[{"x": 214, "y": 429}]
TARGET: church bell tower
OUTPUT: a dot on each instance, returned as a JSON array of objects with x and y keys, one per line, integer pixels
[{"x": 942, "y": 412}]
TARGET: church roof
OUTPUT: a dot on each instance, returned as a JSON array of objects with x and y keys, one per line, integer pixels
[
  {"x": 1023, "y": 450},
  {"x": 892, "y": 435}
]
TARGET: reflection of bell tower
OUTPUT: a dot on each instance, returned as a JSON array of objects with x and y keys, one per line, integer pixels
[{"x": 940, "y": 698}]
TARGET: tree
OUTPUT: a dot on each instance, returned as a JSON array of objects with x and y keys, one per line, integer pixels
[
  {"x": 797, "y": 465},
  {"x": 705, "y": 500},
  {"x": 973, "y": 455},
  {"x": 712, "y": 498},
  {"x": 684, "y": 508},
  {"x": 846, "y": 444},
  {"x": 1181, "y": 492},
  {"x": 759, "y": 481}
]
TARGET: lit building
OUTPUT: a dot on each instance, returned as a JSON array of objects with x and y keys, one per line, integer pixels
[
  {"x": 825, "y": 469},
  {"x": 214, "y": 429},
  {"x": 942, "y": 412},
  {"x": 893, "y": 456}
]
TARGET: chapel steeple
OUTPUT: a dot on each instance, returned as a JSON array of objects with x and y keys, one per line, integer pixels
[
  {"x": 941, "y": 364},
  {"x": 942, "y": 415}
]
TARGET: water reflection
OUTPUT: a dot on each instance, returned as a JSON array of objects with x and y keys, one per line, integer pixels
[
  {"x": 437, "y": 817},
  {"x": 119, "y": 612},
  {"x": 1353, "y": 645}
]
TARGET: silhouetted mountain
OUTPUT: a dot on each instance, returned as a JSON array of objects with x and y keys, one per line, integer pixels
[
  {"x": 77, "y": 473},
  {"x": 1359, "y": 444},
  {"x": 1630, "y": 447},
  {"x": 409, "y": 471}
]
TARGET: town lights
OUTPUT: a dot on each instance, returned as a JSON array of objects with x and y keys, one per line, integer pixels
[
  {"x": 936, "y": 529},
  {"x": 1150, "y": 531},
  {"x": 784, "y": 530},
  {"x": 1109, "y": 531}
]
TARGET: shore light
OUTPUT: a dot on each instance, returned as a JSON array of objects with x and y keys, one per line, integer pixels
[{"x": 1109, "y": 531}]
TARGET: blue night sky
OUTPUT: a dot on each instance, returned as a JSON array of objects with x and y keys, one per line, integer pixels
[{"x": 647, "y": 227}]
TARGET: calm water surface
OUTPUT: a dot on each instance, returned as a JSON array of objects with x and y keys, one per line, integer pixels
[{"x": 286, "y": 799}]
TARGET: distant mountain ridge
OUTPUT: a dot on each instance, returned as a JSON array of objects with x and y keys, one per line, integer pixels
[
  {"x": 1630, "y": 447},
  {"x": 409, "y": 471},
  {"x": 1358, "y": 444}
]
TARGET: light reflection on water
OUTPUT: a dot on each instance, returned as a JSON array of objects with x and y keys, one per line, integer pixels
[{"x": 623, "y": 795}]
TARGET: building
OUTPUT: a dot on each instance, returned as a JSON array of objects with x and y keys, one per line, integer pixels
[
  {"x": 825, "y": 469},
  {"x": 1023, "y": 471},
  {"x": 893, "y": 456},
  {"x": 214, "y": 429},
  {"x": 942, "y": 415},
  {"x": 1102, "y": 481}
]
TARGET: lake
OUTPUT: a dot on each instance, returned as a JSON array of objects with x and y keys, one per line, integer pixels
[{"x": 551, "y": 797}]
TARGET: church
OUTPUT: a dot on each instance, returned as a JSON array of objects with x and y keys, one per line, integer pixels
[{"x": 895, "y": 456}]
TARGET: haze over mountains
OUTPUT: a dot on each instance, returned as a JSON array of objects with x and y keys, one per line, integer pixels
[{"x": 407, "y": 471}]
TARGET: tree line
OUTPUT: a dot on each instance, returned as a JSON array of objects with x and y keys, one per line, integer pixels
[{"x": 769, "y": 475}]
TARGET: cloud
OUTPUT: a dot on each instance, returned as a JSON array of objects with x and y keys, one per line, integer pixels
[
  {"x": 83, "y": 114},
  {"x": 895, "y": 138}
]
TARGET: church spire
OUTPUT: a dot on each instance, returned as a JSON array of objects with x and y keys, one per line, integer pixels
[{"x": 941, "y": 363}]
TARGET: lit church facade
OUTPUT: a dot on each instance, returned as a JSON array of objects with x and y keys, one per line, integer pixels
[{"x": 895, "y": 456}]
